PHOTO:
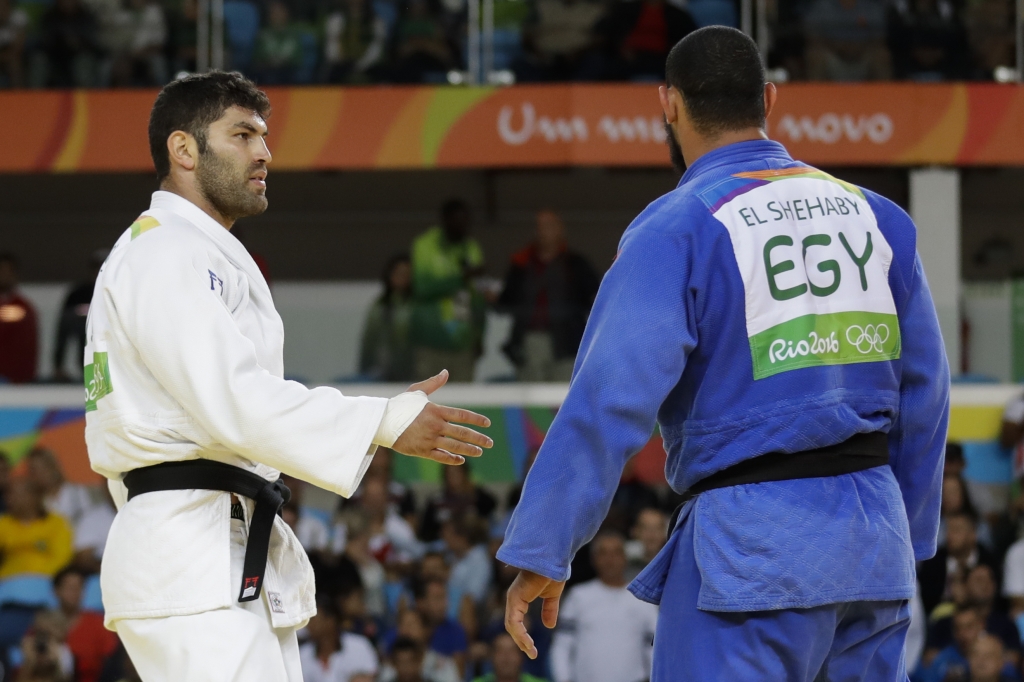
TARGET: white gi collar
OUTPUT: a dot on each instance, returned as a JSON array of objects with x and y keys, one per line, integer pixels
[{"x": 200, "y": 219}]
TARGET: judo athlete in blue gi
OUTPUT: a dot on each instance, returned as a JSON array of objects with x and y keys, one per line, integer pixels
[{"x": 777, "y": 325}]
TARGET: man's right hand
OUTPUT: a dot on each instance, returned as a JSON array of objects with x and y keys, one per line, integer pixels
[
  {"x": 527, "y": 587},
  {"x": 435, "y": 433}
]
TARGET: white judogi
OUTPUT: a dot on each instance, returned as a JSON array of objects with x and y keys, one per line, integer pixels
[{"x": 184, "y": 360}]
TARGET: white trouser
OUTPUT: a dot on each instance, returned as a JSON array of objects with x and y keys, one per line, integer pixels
[{"x": 237, "y": 644}]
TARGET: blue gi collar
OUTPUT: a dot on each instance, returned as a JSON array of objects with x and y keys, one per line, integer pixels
[{"x": 735, "y": 153}]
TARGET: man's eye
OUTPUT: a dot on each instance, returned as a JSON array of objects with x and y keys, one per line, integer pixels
[{"x": 244, "y": 136}]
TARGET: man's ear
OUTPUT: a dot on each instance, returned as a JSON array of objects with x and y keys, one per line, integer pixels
[
  {"x": 183, "y": 150},
  {"x": 667, "y": 105},
  {"x": 771, "y": 95}
]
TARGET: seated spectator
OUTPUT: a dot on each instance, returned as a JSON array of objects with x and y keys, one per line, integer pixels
[
  {"x": 510, "y": 17},
  {"x": 990, "y": 35},
  {"x": 334, "y": 656},
  {"x": 846, "y": 40},
  {"x": 71, "y": 325},
  {"x": 986, "y": 661},
  {"x": 604, "y": 634},
  {"x": 355, "y": 41},
  {"x": 559, "y": 41},
  {"x": 354, "y": 617},
  {"x": 137, "y": 48},
  {"x": 951, "y": 662},
  {"x": 954, "y": 464},
  {"x": 470, "y": 575},
  {"x": 371, "y": 574},
  {"x": 70, "y": 48},
  {"x": 649, "y": 535},
  {"x": 638, "y": 35},
  {"x": 506, "y": 662},
  {"x": 549, "y": 291},
  {"x": 13, "y": 23},
  {"x": 411, "y": 663},
  {"x": 444, "y": 634},
  {"x": 32, "y": 540},
  {"x": 19, "y": 326},
  {"x": 311, "y": 532},
  {"x": 182, "y": 36},
  {"x": 278, "y": 54},
  {"x": 422, "y": 51},
  {"x": 391, "y": 538},
  {"x": 980, "y": 587},
  {"x": 956, "y": 499},
  {"x": 386, "y": 352},
  {"x": 961, "y": 553},
  {"x": 45, "y": 656},
  {"x": 459, "y": 496},
  {"x": 92, "y": 531},
  {"x": 927, "y": 40},
  {"x": 60, "y": 496},
  {"x": 434, "y": 667},
  {"x": 89, "y": 642},
  {"x": 1013, "y": 579}
]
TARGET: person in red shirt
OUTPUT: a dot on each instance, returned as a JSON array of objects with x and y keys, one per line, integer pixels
[
  {"x": 19, "y": 327},
  {"x": 639, "y": 34},
  {"x": 90, "y": 643}
]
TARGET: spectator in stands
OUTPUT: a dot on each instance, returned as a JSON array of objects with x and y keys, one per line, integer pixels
[
  {"x": 92, "y": 530},
  {"x": 448, "y": 314},
  {"x": 954, "y": 464},
  {"x": 13, "y": 24},
  {"x": 549, "y": 291},
  {"x": 32, "y": 540},
  {"x": 990, "y": 34},
  {"x": 1013, "y": 578},
  {"x": 386, "y": 353},
  {"x": 604, "y": 634},
  {"x": 986, "y": 661},
  {"x": 846, "y": 40},
  {"x": 5, "y": 479},
  {"x": 71, "y": 325},
  {"x": 980, "y": 595},
  {"x": 138, "y": 49},
  {"x": 471, "y": 572},
  {"x": 445, "y": 634},
  {"x": 278, "y": 52},
  {"x": 559, "y": 42},
  {"x": 401, "y": 495},
  {"x": 45, "y": 656},
  {"x": 956, "y": 499},
  {"x": 410, "y": 662},
  {"x": 182, "y": 36},
  {"x": 422, "y": 52},
  {"x": 928, "y": 41},
  {"x": 638, "y": 35},
  {"x": 391, "y": 538},
  {"x": 355, "y": 42},
  {"x": 19, "y": 326},
  {"x": 69, "y": 42},
  {"x": 507, "y": 662},
  {"x": 334, "y": 656},
  {"x": 459, "y": 496},
  {"x": 951, "y": 662},
  {"x": 60, "y": 496},
  {"x": 648, "y": 537},
  {"x": 312, "y": 533},
  {"x": 961, "y": 553},
  {"x": 90, "y": 643}
]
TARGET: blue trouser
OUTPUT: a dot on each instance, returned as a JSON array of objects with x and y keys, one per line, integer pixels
[{"x": 843, "y": 642}]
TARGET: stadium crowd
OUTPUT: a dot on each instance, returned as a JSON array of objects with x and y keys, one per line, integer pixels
[{"x": 119, "y": 43}]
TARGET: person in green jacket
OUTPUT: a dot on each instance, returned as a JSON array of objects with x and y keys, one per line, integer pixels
[
  {"x": 386, "y": 352},
  {"x": 507, "y": 660},
  {"x": 448, "y": 312}
]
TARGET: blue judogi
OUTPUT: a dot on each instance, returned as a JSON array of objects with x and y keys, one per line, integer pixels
[{"x": 762, "y": 306}]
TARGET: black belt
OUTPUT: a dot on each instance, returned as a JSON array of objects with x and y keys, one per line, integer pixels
[
  {"x": 205, "y": 474},
  {"x": 860, "y": 452}
]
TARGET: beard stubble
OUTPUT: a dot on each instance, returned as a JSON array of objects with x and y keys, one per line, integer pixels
[{"x": 227, "y": 188}]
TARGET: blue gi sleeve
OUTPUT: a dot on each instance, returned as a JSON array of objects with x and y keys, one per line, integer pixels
[
  {"x": 640, "y": 332},
  {"x": 917, "y": 440}
]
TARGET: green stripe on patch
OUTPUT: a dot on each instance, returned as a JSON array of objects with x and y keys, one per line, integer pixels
[
  {"x": 143, "y": 225},
  {"x": 832, "y": 339},
  {"x": 97, "y": 380}
]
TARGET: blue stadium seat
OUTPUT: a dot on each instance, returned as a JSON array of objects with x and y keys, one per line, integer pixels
[
  {"x": 92, "y": 598},
  {"x": 713, "y": 13},
  {"x": 242, "y": 22},
  {"x": 35, "y": 591}
]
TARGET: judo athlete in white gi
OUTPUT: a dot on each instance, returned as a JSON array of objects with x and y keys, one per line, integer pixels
[
  {"x": 776, "y": 323},
  {"x": 183, "y": 370}
]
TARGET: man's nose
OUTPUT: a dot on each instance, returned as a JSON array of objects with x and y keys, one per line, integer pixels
[{"x": 262, "y": 154}]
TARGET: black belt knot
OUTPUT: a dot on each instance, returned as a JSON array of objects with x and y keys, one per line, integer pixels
[{"x": 205, "y": 474}]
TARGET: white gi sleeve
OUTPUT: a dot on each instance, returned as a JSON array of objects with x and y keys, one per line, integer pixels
[{"x": 189, "y": 342}]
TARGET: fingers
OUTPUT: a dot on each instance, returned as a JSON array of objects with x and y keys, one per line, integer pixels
[
  {"x": 445, "y": 457},
  {"x": 457, "y": 447},
  {"x": 549, "y": 612},
  {"x": 467, "y": 435},
  {"x": 515, "y": 611},
  {"x": 430, "y": 385},
  {"x": 455, "y": 414}
]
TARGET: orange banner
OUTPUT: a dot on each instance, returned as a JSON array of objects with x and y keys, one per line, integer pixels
[{"x": 523, "y": 126}]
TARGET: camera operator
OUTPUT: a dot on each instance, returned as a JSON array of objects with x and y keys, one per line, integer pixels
[{"x": 45, "y": 655}]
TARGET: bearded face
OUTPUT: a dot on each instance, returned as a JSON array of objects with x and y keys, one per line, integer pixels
[
  {"x": 675, "y": 152},
  {"x": 236, "y": 189}
]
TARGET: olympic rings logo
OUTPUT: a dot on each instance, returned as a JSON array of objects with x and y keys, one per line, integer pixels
[{"x": 868, "y": 338}]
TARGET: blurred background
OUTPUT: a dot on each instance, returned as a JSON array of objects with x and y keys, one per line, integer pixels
[{"x": 449, "y": 184}]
